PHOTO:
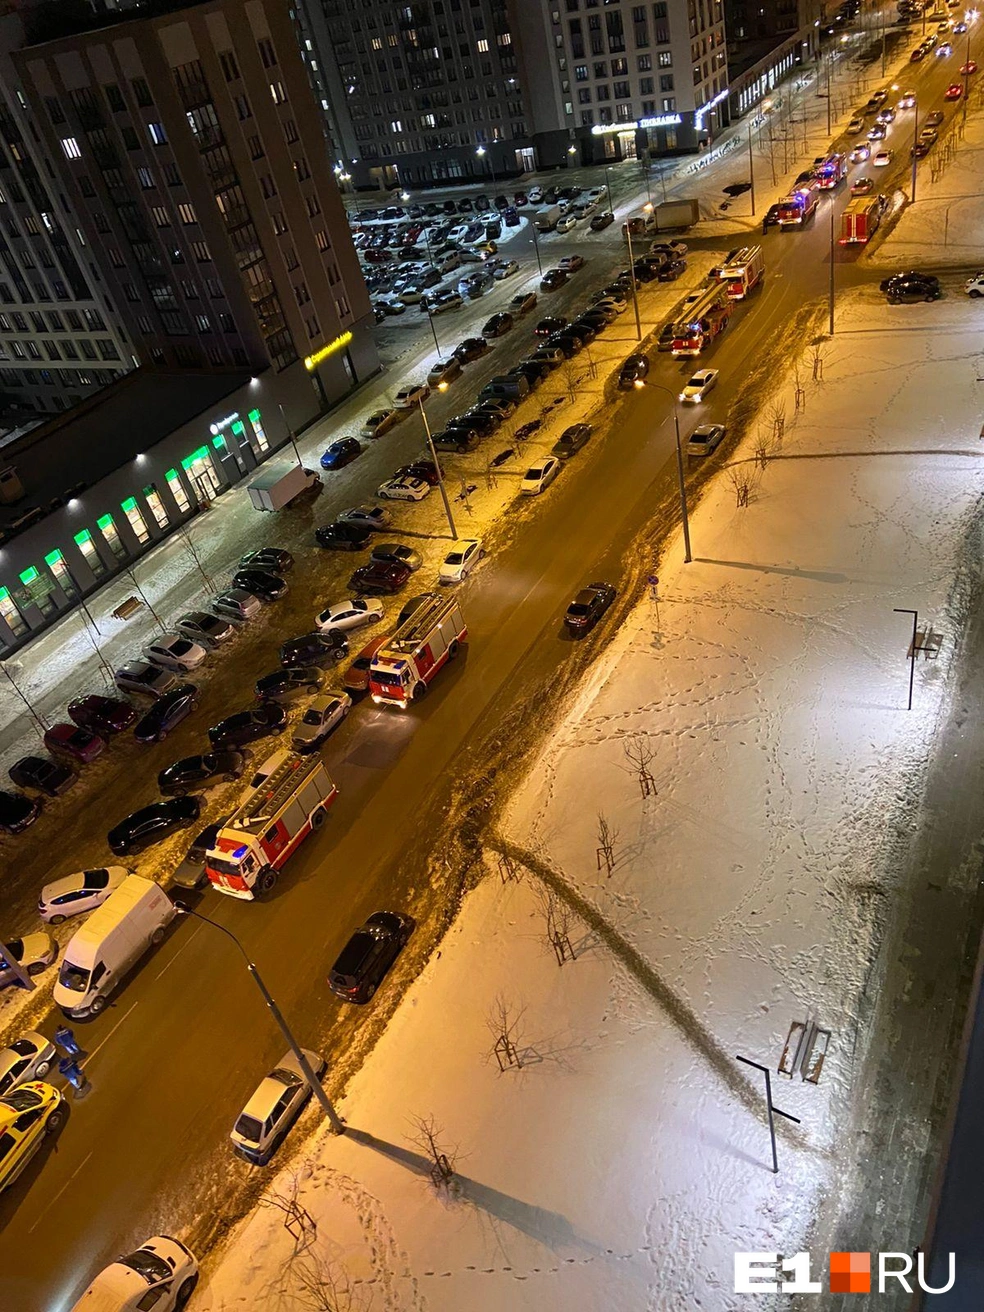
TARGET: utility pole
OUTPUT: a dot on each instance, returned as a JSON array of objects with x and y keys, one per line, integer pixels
[
  {"x": 684, "y": 515},
  {"x": 635, "y": 290},
  {"x": 441, "y": 387},
  {"x": 915, "y": 143},
  {"x": 831, "y": 293},
  {"x": 751, "y": 168},
  {"x": 536, "y": 245},
  {"x": 290, "y": 433}
]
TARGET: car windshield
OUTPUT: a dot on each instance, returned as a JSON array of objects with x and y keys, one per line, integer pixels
[
  {"x": 388, "y": 679},
  {"x": 150, "y": 1266},
  {"x": 21, "y": 1100},
  {"x": 535, "y": 472},
  {"x": 248, "y": 1127},
  {"x": 698, "y": 437},
  {"x": 93, "y": 879},
  {"x": 455, "y": 558},
  {"x": 74, "y": 978},
  {"x": 577, "y": 608}
]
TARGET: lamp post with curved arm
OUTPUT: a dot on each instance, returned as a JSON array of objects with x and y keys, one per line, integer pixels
[{"x": 658, "y": 387}]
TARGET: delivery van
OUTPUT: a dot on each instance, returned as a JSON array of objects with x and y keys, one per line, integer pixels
[
  {"x": 510, "y": 386},
  {"x": 112, "y": 940}
]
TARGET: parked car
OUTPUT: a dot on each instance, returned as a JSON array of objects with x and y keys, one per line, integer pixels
[
  {"x": 341, "y": 453},
  {"x": 71, "y": 895},
  {"x": 571, "y": 263},
  {"x": 883, "y": 158},
  {"x": 552, "y": 280},
  {"x": 411, "y": 395},
  {"x": 470, "y": 349},
  {"x": 161, "y": 1274},
  {"x": 42, "y": 774},
  {"x": 357, "y": 675},
  {"x": 553, "y": 323},
  {"x": 934, "y": 118},
  {"x": 771, "y": 218},
  {"x": 539, "y": 476},
  {"x": 588, "y": 606},
  {"x": 672, "y": 270},
  {"x": 322, "y": 717},
  {"x": 343, "y": 537},
  {"x": 141, "y": 676},
  {"x": 462, "y": 558},
  {"x": 443, "y": 371},
  {"x": 599, "y": 222},
  {"x": 205, "y": 771},
  {"x": 634, "y": 370},
  {"x": 362, "y": 964},
  {"x": 17, "y": 811},
  {"x": 245, "y": 727},
  {"x": 205, "y": 629},
  {"x": 70, "y": 740},
  {"x": 32, "y": 952},
  {"x": 373, "y": 517},
  {"x": 274, "y": 559},
  {"x": 974, "y": 287},
  {"x": 666, "y": 337},
  {"x": 456, "y": 439},
  {"x": 379, "y": 577},
  {"x": 236, "y": 604},
  {"x": 953, "y": 92},
  {"x": 425, "y": 469},
  {"x": 856, "y": 124},
  {"x": 173, "y": 651},
  {"x": 104, "y": 716},
  {"x": 274, "y": 1107},
  {"x": 505, "y": 268},
  {"x": 699, "y": 385},
  {"x": 282, "y": 685},
  {"x": 166, "y": 713},
  {"x": 29, "y": 1057},
  {"x": 403, "y": 489},
  {"x": 571, "y": 440},
  {"x": 351, "y": 613},
  {"x": 705, "y": 439},
  {"x": 522, "y": 303},
  {"x": 907, "y": 289},
  {"x": 498, "y": 325},
  {"x": 312, "y": 649},
  {"x": 152, "y": 823},
  {"x": 380, "y": 422},
  {"x": 261, "y": 583}
]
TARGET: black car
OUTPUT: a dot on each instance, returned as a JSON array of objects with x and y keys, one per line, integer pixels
[
  {"x": 43, "y": 774},
  {"x": 425, "y": 469},
  {"x": 534, "y": 371},
  {"x": 470, "y": 349},
  {"x": 498, "y": 325},
  {"x": 553, "y": 279},
  {"x": 341, "y": 453},
  {"x": 17, "y": 811},
  {"x": 246, "y": 726},
  {"x": 601, "y": 221},
  {"x": 665, "y": 342},
  {"x": 284, "y": 684},
  {"x": 152, "y": 823},
  {"x": 588, "y": 606},
  {"x": 269, "y": 558},
  {"x": 671, "y": 271},
  {"x": 645, "y": 272},
  {"x": 102, "y": 715},
  {"x": 905, "y": 291},
  {"x": 568, "y": 342},
  {"x": 571, "y": 440},
  {"x": 167, "y": 712},
  {"x": 263, "y": 583},
  {"x": 312, "y": 649},
  {"x": 201, "y": 771},
  {"x": 911, "y": 275},
  {"x": 595, "y": 319},
  {"x": 770, "y": 219},
  {"x": 368, "y": 955},
  {"x": 553, "y": 323},
  {"x": 481, "y": 421},
  {"x": 634, "y": 369},
  {"x": 456, "y": 440},
  {"x": 343, "y": 537}
]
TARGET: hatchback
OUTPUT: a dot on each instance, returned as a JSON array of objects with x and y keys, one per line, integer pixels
[
  {"x": 571, "y": 440},
  {"x": 173, "y": 651},
  {"x": 343, "y": 537},
  {"x": 368, "y": 955},
  {"x": 274, "y": 559},
  {"x": 705, "y": 439},
  {"x": 42, "y": 774},
  {"x": 28, "y": 1058},
  {"x": 278, "y": 1101},
  {"x": 82, "y": 891},
  {"x": 633, "y": 370},
  {"x": 498, "y": 325},
  {"x": 470, "y": 349},
  {"x": 357, "y": 675},
  {"x": 588, "y": 606},
  {"x": 32, "y": 952},
  {"x": 28, "y": 1115},
  {"x": 699, "y": 385},
  {"x": 236, "y": 604},
  {"x": 142, "y": 676}
]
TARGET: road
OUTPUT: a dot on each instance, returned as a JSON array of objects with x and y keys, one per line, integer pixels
[{"x": 186, "y": 1040}]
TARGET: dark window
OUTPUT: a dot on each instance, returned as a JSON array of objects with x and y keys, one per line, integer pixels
[
  {"x": 115, "y": 97},
  {"x": 141, "y": 91}
]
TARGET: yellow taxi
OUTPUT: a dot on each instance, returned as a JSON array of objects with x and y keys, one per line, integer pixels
[{"x": 27, "y": 1114}]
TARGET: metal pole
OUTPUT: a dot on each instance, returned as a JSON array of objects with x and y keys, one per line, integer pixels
[
  {"x": 430, "y": 320},
  {"x": 635, "y": 290},
  {"x": 440, "y": 472},
  {"x": 75, "y": 585},
  {"x": 966, "y": 77},
  {"x": 683, "y": 488},
  {"x": 773, "y": 1110},
  {"x": 828, "y": 93},
  {"x": 831, "y": 270},
  {"x": 337, "y": 1124},
  {"x": 608, "y": 188},
  {"x": 751, "y": 168},
  {"x": 536, "y": 245},
  {"x": 290, "y": 433},
  {"x": 900, "y": 610},
  {"x": 915, "y": 142},
  {"x": 7, "y": 959}
]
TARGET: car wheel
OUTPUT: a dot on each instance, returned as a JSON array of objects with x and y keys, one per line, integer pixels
[
  {"x": 57, "y": 920},
  {"x": 974, "y": 294},
  {"x": 36, "y": 967},
  {"x": 186, "y": 1290},
  {"x": 453, "y": 649},
  {"x": 319, "y": 817},
  {"x": 42, "y": 1069},
  {"x": 158, "y": 935},
  {"x": 98, "y": 1005},
  {"x": 53, "y": 1122},
  {"x": 267, "y": 880}
]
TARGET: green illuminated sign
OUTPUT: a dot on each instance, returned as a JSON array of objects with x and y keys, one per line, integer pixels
[
  {"x": 171, "y": 476},
  {"x": 239, "y": 427},
  {"x": 200, "y": 454},
  {"x": 4, "y": 594},
  {"x": 54, "y": 558},
  {"x": 28, "y": 576},
  {"x": 82, "y": 538},
  {"x": 219, "y": 442},
  {"x": 254, "y": 416},
  {"x": 105, "y": 522},
  {"x": 128, "y": 505}
]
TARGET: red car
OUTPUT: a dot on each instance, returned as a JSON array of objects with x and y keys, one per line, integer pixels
[
  {"x": 71, "y": 740},
  {"x": 102, "y": 715},
  {"x": 357, "y": 675},
  {"x": 379, "y": 576},
  {"x": 969, "y": 67},
  {"x": 953, "y": 92},
  {"x": 425, "y": 469}
]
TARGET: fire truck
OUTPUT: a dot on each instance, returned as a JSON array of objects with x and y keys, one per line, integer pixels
[
  {"x": 406, "y": 663},
  {"x": 832, "y": 172},
  {"x": 860, "y": 219},
  {"x": 705, "y": 316},
  {"x": 743, "y": 270},
  {"x": 797, "y": 207},
  {"x": 277, "y": 812}
]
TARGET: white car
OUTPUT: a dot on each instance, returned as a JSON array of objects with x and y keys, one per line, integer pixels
[
  {"x": 274, "y": 1107},
  {"x": 534, "y": 195},
  {"x": 565, "y": 223},
  {"x": 161, "y": 1274},
  {"x": 677, "y": 249},
  {"x": 907, "y": 100},
  {"x": 612, "y": 303},
  {"x": 540, "y": 476},
  {"x": 882, "y": 158},
  {"x": 856, "y": 124},
  {"x": 83, "y": 891},
  {"x": 461, "y": 560},
  {"x": 28, "y": 1058},
  {"x": 352, "y": 613},
  {"x": 323, "y": 715},
  {"x": 705, "y": 439},
  {"x": 173, "y": 651},
  {"x": 32, "y": 952},
  {"x": 699, "y": 385},
  {"x": 403, "y": 489},
  {"x": 505, "y": 270},
  {"x": 975, "y": 286},
  {"x": 411, "y": 395}
]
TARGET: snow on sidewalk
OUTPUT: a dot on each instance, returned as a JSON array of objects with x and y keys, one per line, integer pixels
[{"x": 628, "y": 1159}]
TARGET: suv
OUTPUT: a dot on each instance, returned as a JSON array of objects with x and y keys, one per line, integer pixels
[
  {"x": 27, "y": 1115},
  {"x": 274, "y": 1107},
  {"x": 368, "y": 955}
]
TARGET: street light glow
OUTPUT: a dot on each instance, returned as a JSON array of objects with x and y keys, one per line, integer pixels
[{"x": 480, "y": 150}]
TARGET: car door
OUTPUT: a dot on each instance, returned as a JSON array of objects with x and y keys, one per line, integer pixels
[{"x": 13, "y": 1074}]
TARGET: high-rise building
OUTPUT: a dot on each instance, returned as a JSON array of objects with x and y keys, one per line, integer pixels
[{"x": 189, "y": 150}]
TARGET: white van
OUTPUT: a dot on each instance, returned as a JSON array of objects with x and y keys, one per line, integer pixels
[{"x": 113, "y": 938}]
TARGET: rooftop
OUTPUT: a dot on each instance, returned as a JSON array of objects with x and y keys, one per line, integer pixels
[{"x": 56, "y": 19}]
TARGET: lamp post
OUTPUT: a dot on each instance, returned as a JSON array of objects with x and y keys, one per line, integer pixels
[
  {"x": 640, "y": 383},
  {"x": 915, "y": 143},
  {"x": 536, "y": 244},
  {"x": 608, "y": 188},
  {"x": 571, "y": 151},
  {"x": 481, "y": 152},
  {"x": 751, "y": 169},
  {"x": 441, "y": 387},
  {"x": 830, "y": 293},
  {"x": 337, "y": 1124},
  {"x": 635, "y": 290}
]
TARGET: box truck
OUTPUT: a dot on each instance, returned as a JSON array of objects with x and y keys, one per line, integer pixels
[
  {"x": 111, "y": 941},
  {"x": 277, "y": 487},
  {"x": 675, "y": 214},
  {"x": 545, "y": 220}
]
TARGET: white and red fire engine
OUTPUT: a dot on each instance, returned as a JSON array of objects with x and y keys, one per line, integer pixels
[
  {"x": 407, "y": 662},
  {"x": 743, "y": 271},
  {"x": 705, "y": 316}
]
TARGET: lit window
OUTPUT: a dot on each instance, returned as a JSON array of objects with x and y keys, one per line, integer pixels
[
  {"x": 136, "y": 520},
  {"x": 90, "y": 555},
  {"x": 261, "y": 437},
  {"x": 56, "y": 563},
  {"x": 71, "y": 148},
  {"x": 110, "y": 532},
  {"x": 153, "y": 499},
  {"x": 181, "y": 498},
  {"x": 157, "y": 134}
]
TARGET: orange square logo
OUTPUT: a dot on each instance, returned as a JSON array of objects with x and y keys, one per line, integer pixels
[{"x": 850, "y": 1273}]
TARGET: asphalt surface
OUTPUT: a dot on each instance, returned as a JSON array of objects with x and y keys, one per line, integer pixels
[{"x": 183, "y": 1044}]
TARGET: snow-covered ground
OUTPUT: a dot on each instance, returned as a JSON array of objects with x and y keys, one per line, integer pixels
[{"x": 628, "y": 1158}]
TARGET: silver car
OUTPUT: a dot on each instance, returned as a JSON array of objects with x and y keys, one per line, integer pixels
[
  {"x": 322, "y": 717},
  {"x": 210, "y": 630},
  {"x": 274, "y": 1108},
  {"x": 142, "y": 676},
  {"x": 236, "y": 604},
  {"x": 28, "y": 1058},
  {"x": 83, "y": 891},
  {"x": 32, "y": 953}
]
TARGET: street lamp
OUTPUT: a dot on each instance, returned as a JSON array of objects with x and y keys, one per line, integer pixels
[
  {"x": 404, "y": 196},
  {"x": 915, "y": 143},
  {"x": 640, "y": 383},
  {"x": 441, "y": 387},
  {"x": 632, "y": 276},
  {"x": 608, "y": 188},
  {"x": 536, "y": 245},
  {"x": 481, "y": 152},
  {"x": 337, "y": 1124}
]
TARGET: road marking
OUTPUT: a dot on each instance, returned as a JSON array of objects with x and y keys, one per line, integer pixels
[
  {"x": 190, "y": 937},
  {"x": 89, "y": 1055},
  {"x": 58, "y": 1195}
]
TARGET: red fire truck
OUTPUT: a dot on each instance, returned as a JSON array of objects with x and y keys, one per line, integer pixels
[
  {"x": 743, "y": 270},
  {"x": 705, "y": 316},
  {"x": 860, "y": 219},
  {"x": 832, "y": 172},
  {"x": 278, "y": 811},
  {"x": 408, "y": 661},
  {"x": 799, "y": 206}
]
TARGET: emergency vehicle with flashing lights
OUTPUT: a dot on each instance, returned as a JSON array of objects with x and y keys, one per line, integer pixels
[{"x": 404, "y": 666}]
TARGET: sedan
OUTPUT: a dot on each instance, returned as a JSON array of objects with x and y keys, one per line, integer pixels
[
  {"x": 83, "y": 891},
  {"x": 700, "y": 384},
  {"x": 192, "y": 772},
  {"x": 411, "y": 395},
  {"x": 969, "y": 67},
  {"x": 461, "y": 560},
  {"x": 28, "y": 1058},
  {"x": 883, "y": 158},
  {"x": 236, "y": 604},
  {"x": 271, "y": 558},
  {"x": 17, "y": 812},
  {"x": 666, "y": 337},
  {"x": 141, "y": 676},
  {"x": 862, "y": 186},
  {"x": 343, "y": 537},
  {"x": 588, "y": 606},
  {"x": 498, "y": 325},
  {"x": 878, "y": 133},
  {"x": 705, "y": 439},
  {"x": 247, "y": 726},
  {"x": 523, "y": 303},
  {"x": 103, "y": 715},
  {"x": 403, "y": 489},
  {"x": 352, "y": 613},
  {"x": 505, "y": 269},
  {"x": 152, "y": 823},
  {"x": 601, "y": 221},
  {"x": 172, "y": 651},
  {"x": 70, "y": 740},
  {"x": 166, "y": 713},
  {"x": 341, "y": 453},
  {"x": 388, "y": 552},
  {"x": 32, "y": 952},
  {"x": 261, "y": 582},
  {"x": 321, "y": 719},
  {"x": 374, "y": 517},
  {"x": 368, "y": 955},
  {"x": 470, "y": 349},
  {"x": 771, "y": 218},
  {"x": 425, "y": 469},
  {"x": 282, "y": 685},
  {"x": 907, "y": 100},
  {"x": 379, "y": 577},
  {"x": 571, "y": 440},
  {"x": 549, "y": 355},
  {"x": 886, "y": 115},
  {"x": 312, "y": 649},
  {"x": 380, "y": 422},
  {"x": 274, "y": 1107},
  {"x": 904, "y": 291},
  {"x": 42, "y": 774},
  {"x": 553, "y": 279},
  {"x": 860, "y": 153},
  {"x": 208, "y": 630},
  {"x": 540, "y": 476},
  {"x": 357, "y": 675},
  {"x": 953, "y": 92},
  {"x": 633, "y": 371},
  {"x": 547, "y": 327},
  {"x": 856, "y": 124},
  {"x": 443, "y": 371},
  {"x": 934, "y": 118}
]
